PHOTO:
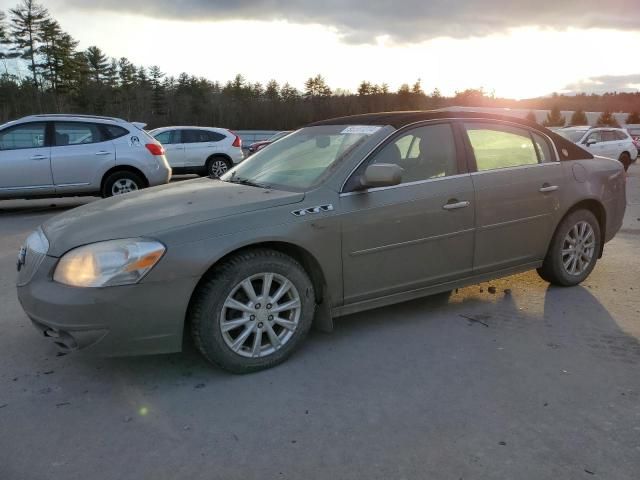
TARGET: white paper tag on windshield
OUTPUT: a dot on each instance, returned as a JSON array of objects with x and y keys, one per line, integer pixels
[{"x": 362, "y": 129}]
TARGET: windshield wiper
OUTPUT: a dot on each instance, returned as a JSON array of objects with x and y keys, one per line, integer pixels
[{"x": 246, "y": 181}]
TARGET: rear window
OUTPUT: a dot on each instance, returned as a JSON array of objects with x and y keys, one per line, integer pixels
[
  {"x": 621, "y": 135},
  {"x": 113, "y": 131},
  {"x": 77, "y": 133}
]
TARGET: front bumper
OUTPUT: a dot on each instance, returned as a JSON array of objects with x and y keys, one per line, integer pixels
[{"x": 145, "y": 318}]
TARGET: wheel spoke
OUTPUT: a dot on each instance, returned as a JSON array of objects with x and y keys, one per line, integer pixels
[
  {"x": 236, "y": 305},
  {"x": 231, "y": 324},
  {"x": 288, "y": 324},
  {"x": 273, "y": 337},
  {"x": 257, "y": 343},
  {"x": 284, "y": 288},
  {"x": 248, "y": 288},
  {"x": 239, "y": 341},
  {"x": 266, "y": 285},
  {"x": 290, "y": 305}
]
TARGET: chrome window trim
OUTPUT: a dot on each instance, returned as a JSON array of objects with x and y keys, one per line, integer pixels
[
  {"x": 515, "y": 167},
  {"x": 447, "y": 119},
  {"x": 402, "y": 185}
]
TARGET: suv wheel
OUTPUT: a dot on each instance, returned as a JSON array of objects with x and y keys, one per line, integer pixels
[
  {"x": 217, "y": 166},
  {"x": 253, "y": 312},
  {"x": 122, "y": 182},
  {"x": 574, "y": 250}
]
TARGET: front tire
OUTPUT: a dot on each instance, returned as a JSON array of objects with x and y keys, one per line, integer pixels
[
  {"x": 574, "y": 250},
  {"x": 253, "y": 311},
  {"x": 121, "y": 182}
]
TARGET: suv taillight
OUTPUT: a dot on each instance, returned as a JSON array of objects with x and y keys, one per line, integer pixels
[
  {"x": 237, "y": 142},
  {"x": 155, "y": 149}
]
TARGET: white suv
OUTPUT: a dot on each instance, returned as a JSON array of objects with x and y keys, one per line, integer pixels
[
  {"x": 63, "y": 155},
  {"x": 604, "y": 141},
  {"x": 201, "y": 150}
]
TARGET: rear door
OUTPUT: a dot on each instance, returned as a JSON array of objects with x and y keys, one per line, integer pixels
[
  {"x": 200, "y": 145},
  {"x": 171, "y": 140},
  {"x": 517, "y": 181},
  {"x": 80, "y": 155},
  {"x": 612, "y": 146},
  {"x": 415, "y": 234},
  {"x": 25, "y": 160}
]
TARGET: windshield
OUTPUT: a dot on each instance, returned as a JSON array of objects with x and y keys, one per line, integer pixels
[
  {"x": 572, "y": 135},
  {"x": 298, "y": 160}
]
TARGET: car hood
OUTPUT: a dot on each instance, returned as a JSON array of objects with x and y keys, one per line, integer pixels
[{"x": 154, "y": 210}]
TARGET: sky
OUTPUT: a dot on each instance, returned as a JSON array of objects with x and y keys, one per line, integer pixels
[{"x": 516, "y": 49}]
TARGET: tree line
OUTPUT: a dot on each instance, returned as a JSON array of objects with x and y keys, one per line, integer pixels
[{"x": 61, "y": 78}]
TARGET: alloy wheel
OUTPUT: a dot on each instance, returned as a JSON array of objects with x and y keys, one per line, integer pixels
[
  {"x": 124, "y": 185},
  {"x": 218, "y": 168},
  {"x": 578, "y": 248},
  {"x": 260, "y": 315}
]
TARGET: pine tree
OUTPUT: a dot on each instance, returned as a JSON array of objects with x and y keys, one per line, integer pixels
[
  {"x": 289, "y": 93},
  {"x": 531, "y": 116},
  {"x": 633, "y": 118},
  {"x": 126, "y": 73},
  {"x": 579, "y": 118},
  {"x": 98, "y": 63},
  {"x": 365, "y": 88},
  {"x": 606, "y": 119},
  {"x": 554, "y": 118},
  {"x": 316, "y": 87},
  {"x": 272, "y": 92},
  {"x": 26, "y": 21},
  {"x": 4, "y": 37},
  {"x": 417, "y": 88},
  {"x": 158, "y": 93}
]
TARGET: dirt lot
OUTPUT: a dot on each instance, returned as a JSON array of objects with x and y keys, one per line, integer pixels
[{"x": 529, "y": 382}]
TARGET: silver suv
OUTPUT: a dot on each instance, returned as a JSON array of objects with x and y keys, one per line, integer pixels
[{"x": 60, "y": 155}]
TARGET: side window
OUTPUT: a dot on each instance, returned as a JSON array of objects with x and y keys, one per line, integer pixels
[
  {"x": 165, "y": 138},
  {"x": 609, "y": 136},
  {"x": 113, "y": 131},
  {"x": 29, "y": 135},
  {"x": 621, "y": 135},
  {"x": 500, "y": 146},
  {"x": 192, "y": 136},
  {"x": 423, "y": 153},
  {"x": 76, "y": 133},
  {"x": 543, "y": 148},
  {"x": 594, "y": 137}
]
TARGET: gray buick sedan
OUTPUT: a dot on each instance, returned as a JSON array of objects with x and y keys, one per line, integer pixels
[{"x": 341, "y": 216}]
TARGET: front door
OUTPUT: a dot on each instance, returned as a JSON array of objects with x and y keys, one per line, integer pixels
[
  {"x": 171, "y": 140},
  {"x": 415, "y": 234},
  {"x": 25, "y": 162},
  {"x": 517, "y": 201},
  {"x": 197, "y": 147}
]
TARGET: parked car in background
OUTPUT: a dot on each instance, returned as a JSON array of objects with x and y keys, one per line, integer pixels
[
  {"x": 257, "y": 146},
  {"x": 63, "y": 155},
  {"x": 604, "y": 141},
  {"x": 339, "y": 217},
  {"x": 634, "y": 131},
  {"x": 201, "y": 150}
]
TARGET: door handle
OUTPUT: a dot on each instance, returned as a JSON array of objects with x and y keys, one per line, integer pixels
[
  {"x": 39, "y": 157},
  {"x": 455, "y": 205},
  {"x": 103, "y": 152},
  {"x": 548, "y": 188}
]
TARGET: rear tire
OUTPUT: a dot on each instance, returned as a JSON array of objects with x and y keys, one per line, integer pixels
[
  {"x": 574, "y": 250},
  {"x": 253, "y": 311},
  {"x": 625, "y": 159},
  {"x": 217, "y": 166},
  {"x": 121, "y": 182}
]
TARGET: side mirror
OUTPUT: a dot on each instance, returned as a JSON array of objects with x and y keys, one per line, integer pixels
[
  {"x": 591, "y": 141},
  {"x": 381, "y": 175}
]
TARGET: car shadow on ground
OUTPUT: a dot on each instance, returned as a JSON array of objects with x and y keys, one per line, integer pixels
[{"x": 570, "y": 318}]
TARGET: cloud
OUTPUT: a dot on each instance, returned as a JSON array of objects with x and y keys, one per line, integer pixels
[
  {"x": 604, "y": 84},
  {"x": 361, "y": 21}
]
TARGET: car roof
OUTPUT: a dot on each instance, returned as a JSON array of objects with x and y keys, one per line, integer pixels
[
  {"x": 61, "y": 116},
  {"x": 190, "y": 127},
  {"x": 567, "y": 149}
]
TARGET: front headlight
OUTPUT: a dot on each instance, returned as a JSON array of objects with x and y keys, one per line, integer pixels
[{"x": 110, "y": 263}]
